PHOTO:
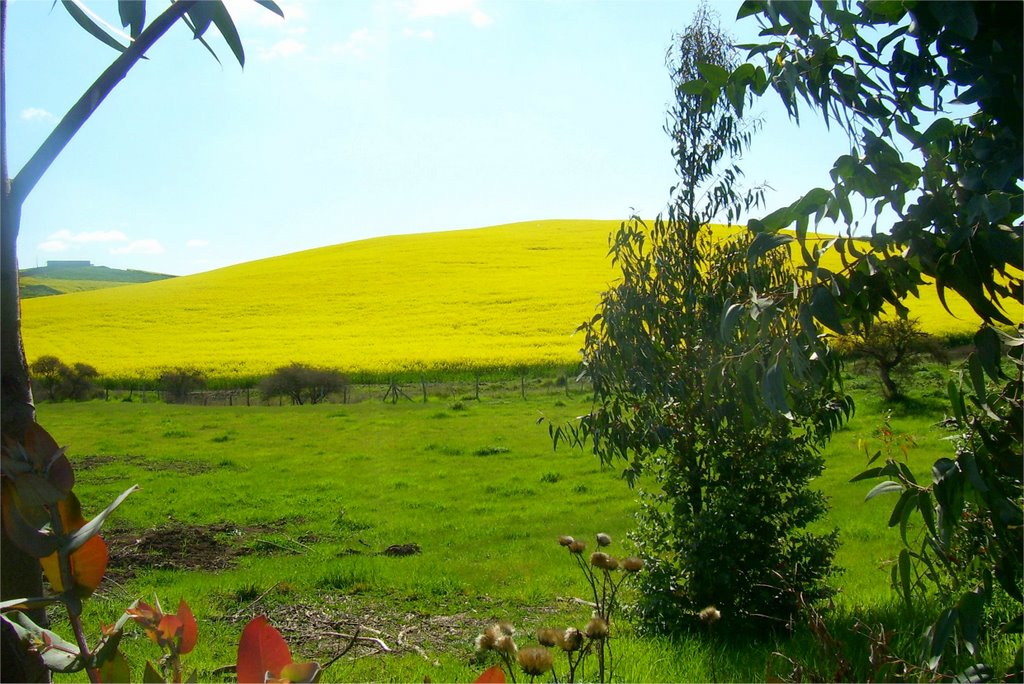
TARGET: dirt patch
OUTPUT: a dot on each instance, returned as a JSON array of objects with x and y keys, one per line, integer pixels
[
  {"x": 91, "y": 461},
  {"x": 177, "y": 547}
]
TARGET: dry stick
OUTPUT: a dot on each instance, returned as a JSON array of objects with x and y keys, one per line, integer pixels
[
  {"x": 348, "y": 647},
  {"x": 372, "y": 640}
]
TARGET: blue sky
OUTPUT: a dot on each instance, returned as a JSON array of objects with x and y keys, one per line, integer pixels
[{"x": 357, "y": 119}]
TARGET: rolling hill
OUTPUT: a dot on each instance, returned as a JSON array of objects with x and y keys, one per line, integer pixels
[
  {"x": 502, "y": 296},
  {"x": 44, "y": 281}
]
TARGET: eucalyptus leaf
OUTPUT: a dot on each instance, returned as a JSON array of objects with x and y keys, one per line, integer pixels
[
  {"x": 133, "y": 15},
  {"x": 887, "y": 487},
  {"x": 91, "y": 27},
  {"x": 91, "y": 528},
  {"x": 226, "y": 25}
]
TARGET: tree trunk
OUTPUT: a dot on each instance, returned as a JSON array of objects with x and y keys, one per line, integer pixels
[
  {"x": 890, "y": 391},
  {"x": 20, "y": 574}
]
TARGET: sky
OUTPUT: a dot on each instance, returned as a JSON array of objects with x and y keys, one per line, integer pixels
[{"x": 359, "y": 119}]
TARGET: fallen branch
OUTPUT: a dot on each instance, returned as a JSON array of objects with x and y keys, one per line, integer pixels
[
  {"x": 361, "y": 639},
  {"x": 400, "y": 640}
]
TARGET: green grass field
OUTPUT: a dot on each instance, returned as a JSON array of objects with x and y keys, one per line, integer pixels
[
  {"x": 498, "y": 297},
  {"x": 286, "y": 510}
]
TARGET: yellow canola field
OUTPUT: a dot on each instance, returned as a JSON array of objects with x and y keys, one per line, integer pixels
[{"x": 502, "y": 296}]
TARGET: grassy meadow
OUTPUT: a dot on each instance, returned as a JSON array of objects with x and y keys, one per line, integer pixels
[
  {"x": 497, "y": 297},
  {"x": 287, "y": 511}
]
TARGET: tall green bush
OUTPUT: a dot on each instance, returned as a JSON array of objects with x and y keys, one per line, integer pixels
[{"x": 687, "y": 358}]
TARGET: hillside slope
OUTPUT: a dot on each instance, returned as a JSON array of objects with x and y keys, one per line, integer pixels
[
  {"x": 44, "y": 281},
  {"x": 491, "y": 297}
]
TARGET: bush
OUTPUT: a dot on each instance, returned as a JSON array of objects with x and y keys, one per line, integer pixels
[
  {"x": 303, "y": 384},
  {"x": 178, "y": 384},
  {"x": 61, "y": 381}
]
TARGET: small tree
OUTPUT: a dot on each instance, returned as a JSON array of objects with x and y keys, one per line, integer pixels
[
  {"x": 687, "y": 358},
  {"x": 48, "y": 372},
  {"x": 178, "y": 384},
  {"x": 303, "y": 384},
  {"x": 894, "y": 347},
  {"x": 79, "y": 382}
]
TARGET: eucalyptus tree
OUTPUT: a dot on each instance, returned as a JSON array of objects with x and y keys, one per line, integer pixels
[
  {"x": 20, "y": 574},
  {"x": 687, "y": 357}
]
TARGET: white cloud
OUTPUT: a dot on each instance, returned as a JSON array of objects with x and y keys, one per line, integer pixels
[
  {"x": 288, "y": 47},
  {"x": 37, "y": 114},
  {"x": 53, "y": 246},
  {"x": 358, "y": 44},
  {"x": 63, "y": 240},
  {"x": 422, "y": 35},
  {"x": 197, "y": 243},
  {"x": 148, "y": 246},
  {"x": 423, "y": 9}
]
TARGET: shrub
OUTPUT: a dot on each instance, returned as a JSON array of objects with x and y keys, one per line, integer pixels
[
  {"x": 178, "y": 384},
  {"x": 61, "y": 381},
  {"x": 303, "y": 384}
]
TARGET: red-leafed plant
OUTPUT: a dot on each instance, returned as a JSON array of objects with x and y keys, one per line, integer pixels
[
  {"x": 264, "y": 656},
  {"x": 44, "y": 518}
]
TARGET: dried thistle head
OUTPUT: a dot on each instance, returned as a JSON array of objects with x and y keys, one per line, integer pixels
[
  {"x": 597, "y": 629},
  {"x": 572, "y": 640},
  {"x": 603, "y": 539},
  {"x": 577, "y": 547},
  {"x": 633, "y": 564},
  {"x": 505, "y": 627},
  {"x": 485, "y": 641},
  {"x": 535, "y": 660},
  {"x": 504, "y": 644},
  {"x": 710, "y": 615},
  {"x": 565, "y": 540},
  {"x": 547, "y": 636},
  {"x": 602, "y": 560}
]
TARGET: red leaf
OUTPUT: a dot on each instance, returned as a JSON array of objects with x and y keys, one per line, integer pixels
[
  {"x": 88, "y": 562},
  {"x": 190, "y": 633},
  {"x": 261, "y": 650},
  {"x": 494, "y": 675}
]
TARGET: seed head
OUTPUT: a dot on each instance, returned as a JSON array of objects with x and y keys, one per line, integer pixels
[
  {"x": 548, "y": 636},
  {"x": 577, "y": 547},
  {"x": 504, "y": 644},
  {"x": 535, "y": 660},
  {"x": 633, "y": 564},
  {"x": 603, "y": 539},
  {"x": 597, "y": 628},
  {"x": 485, "y": 641},
  {"x": 602, "y": 560},
  {"x": 565, "y": 540},
  {"x": 709, "y": 615},
  {"x": 505, "y": 627},
  {"x": 572, "y": 640}
]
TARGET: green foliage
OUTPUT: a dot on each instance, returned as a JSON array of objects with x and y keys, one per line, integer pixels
[
  {"x": 178, "y": 384},
  {"x": 929, "y": 94},
  {"x": 928, "y": 80},
  {"x": 60, "y": 381},
  {"x": 707, "y": 379}
]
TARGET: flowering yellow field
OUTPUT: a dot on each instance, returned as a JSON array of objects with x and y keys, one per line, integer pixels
[{"x": 502, "y": 296}]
